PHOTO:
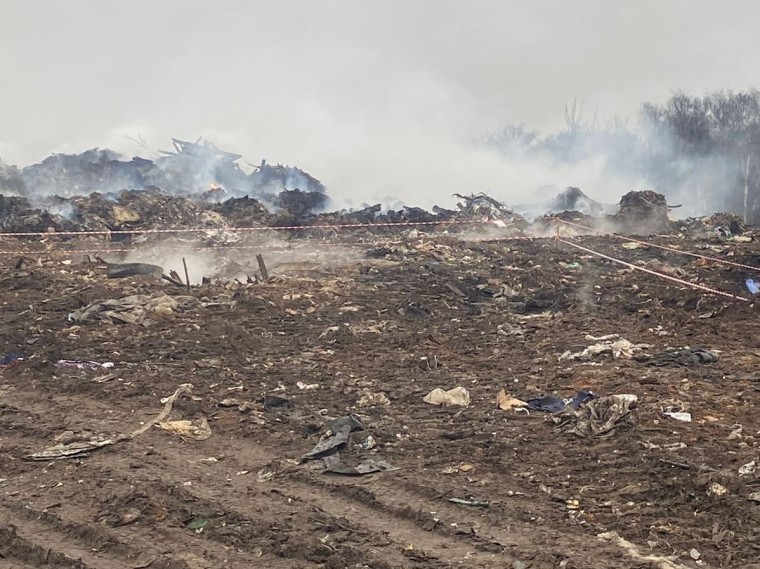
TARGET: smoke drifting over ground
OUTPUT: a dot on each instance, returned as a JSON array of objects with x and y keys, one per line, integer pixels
[
  {"x": 239, "y": 263},
  {"x": 376, "y": 100}
]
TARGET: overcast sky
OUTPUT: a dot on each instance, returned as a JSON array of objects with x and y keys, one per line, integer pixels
[{"x": 374, "y": 98}]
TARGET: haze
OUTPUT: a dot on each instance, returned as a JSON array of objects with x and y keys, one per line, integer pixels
[{"x": 376, "y": 99}]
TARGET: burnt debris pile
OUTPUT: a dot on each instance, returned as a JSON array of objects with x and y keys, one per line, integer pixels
[
  {"x": 198, "y": 185},
  {"x": 194, "y": 185},
  {"x": 643, "y": 211},
  {"x": 197, "y": 169},
  {"x": 573, "y": 199}
]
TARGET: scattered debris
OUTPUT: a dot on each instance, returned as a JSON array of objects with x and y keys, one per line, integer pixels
[
  {"x": 272, "y": 402},
  {"x": 137, "y": 309},
  {"x": 679, "y": 416},
  {"x": 83, "y": 448},
  {"x": 83, "y": 364},
  {"x": 483, "y": 206},
  {"x": 682, "y": 357},
  {"x": 601, "y": 416},
  {"x": 456, "y": 396},
  {"x": 633, "y": 552},
  {"x": 505, "y": 402},
  {"x": 470, "y": 502},
  {"x": 367, "y": 444},
  {"x": 555, "y": 404},
  {"x": 11, "y": 360},
  {"x": 364, "y": 467},
  {"x": 373, "y": 400},
  {"x": 253, "y": 356},
  {"x": 124, "y": 270},
  {"x": 611, "y": 344},
  {"x": 749, "y": 468},
  {"x": 267, "y": 473},
  {"x": 198, "y": 523},
  {"x": 335, "y": 438},
  {"x": 188, "y": 429},
  {"x": 715, "y": 489},
  {"x": 752, "y": 286}
]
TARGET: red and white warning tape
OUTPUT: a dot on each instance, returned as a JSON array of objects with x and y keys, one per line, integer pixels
[
  {"x": 663, "y": 247},
  {"x": 656, "y": 273},
  {"x": 336, "y": 227},
  {"x": 146, "y": 248}
]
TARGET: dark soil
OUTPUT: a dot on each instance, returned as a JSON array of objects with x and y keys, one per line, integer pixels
[{"x": 413, "y": 315}]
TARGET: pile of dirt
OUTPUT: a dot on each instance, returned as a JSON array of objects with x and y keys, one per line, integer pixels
[
  {"x": 297, "y": 204},
  {"x": 643, "y": 212},
  {"x": 151, "y": 208},
  {"x": 18, "y": 215},
  {"x": 574, "y": 200},
  {"x": 574, "y": 219},
  {"x": 198, "y": 169}
]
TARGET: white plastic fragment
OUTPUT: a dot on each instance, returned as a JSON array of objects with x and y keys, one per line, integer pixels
[
  {"x": 679, "y": 416},
  {"x": 457, "y": 396},
  {"x": 748, "y": 468}
]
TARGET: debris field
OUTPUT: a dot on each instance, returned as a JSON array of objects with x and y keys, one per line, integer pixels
[{"x": 413, "y": 397}]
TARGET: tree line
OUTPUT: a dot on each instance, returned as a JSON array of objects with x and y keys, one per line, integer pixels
[{"x": 701, "y": 149}]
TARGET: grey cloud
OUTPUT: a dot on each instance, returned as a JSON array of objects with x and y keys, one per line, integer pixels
[{"x": 374, "y": 98}]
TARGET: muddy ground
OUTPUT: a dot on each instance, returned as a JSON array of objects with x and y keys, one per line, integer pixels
[{"x": 398, "y": 317}]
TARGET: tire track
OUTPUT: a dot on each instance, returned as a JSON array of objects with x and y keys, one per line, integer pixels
[{"x": 418, "y": 526}]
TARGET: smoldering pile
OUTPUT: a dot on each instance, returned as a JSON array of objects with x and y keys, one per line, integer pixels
[
  {"x": 198, "y": 169},
  {"x": 148, "y": 209},
  {"x": 573, "y": 199},
  {"x": 194, "y": 185},
  {"x": 198, "y": 185}
]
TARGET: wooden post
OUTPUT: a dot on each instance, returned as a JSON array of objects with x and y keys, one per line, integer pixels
[
  {"x": 262, "y": 267},
  {"x": 187, "y": 275}
]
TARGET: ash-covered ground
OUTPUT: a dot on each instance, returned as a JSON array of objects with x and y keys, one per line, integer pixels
[{"x": 601, "y": 416}]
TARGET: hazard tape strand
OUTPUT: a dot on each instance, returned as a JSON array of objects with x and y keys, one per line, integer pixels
[
  {"x": 147, "y": 248},
  {"x": 664, "y": 247},
  {"x": 656, "y": 273},
  {"x": 336, "y": 227}
]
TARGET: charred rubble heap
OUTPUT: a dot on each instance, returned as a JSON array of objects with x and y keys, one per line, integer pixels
[
  {"x": 642, "y": 212},
  {"x": 152, "y": 208},
  {"x": 198, "y": 185},
  {"x": 194, "y": 185},
  {"x": 573, "y": 199},
  {"x": 191, "y": 169}
]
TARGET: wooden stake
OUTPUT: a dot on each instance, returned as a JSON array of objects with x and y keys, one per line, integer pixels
[
  {"x": 262, "y": 268},
  {"x": 174, "y": 282},
  {"x": 187, "y": 275}
]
